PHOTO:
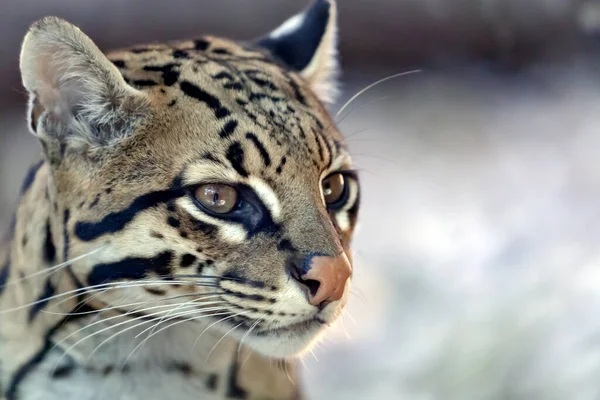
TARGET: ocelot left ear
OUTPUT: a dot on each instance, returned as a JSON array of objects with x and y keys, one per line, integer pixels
[{"x": 307, "y": 43}]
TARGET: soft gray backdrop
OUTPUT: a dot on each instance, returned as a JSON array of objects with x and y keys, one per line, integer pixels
[{"x": 477, "y": 271}]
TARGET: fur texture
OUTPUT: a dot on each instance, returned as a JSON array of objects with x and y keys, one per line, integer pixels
[{"x": 118, "y": 283}]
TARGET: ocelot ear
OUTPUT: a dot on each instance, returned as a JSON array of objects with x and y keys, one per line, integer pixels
[
  {"x": 78, "y": 98},
  {"x": 307, "y": 43}
]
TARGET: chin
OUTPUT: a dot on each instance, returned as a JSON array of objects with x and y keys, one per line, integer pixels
[
  {"x": 287, "y": 341},
  {"x": 292, "y": 340}
]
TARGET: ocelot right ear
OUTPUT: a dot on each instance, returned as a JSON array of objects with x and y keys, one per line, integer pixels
[
  {"x": 307, "y": 43},
  {"x": 78, "y": 98}
]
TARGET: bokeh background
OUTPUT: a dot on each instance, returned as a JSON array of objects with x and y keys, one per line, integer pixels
[{"x": 477, "y": 257}]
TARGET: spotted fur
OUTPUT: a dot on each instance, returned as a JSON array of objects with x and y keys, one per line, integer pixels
[{"x": 115, "y": 283}]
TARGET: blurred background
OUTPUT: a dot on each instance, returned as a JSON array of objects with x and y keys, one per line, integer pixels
[{"x": 477, "y": 257}]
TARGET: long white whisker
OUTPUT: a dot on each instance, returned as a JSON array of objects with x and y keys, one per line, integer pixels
[
  {"x": 254, "y": 325},
  {"x": 103, "y": 286},
  {"x": 372, "y": 85},
  {"x": 99, "y": 332},
  {"x": 173, "y": 324},
  {"x": 213, "y": 324},
  {"x": 196, "y": 301},
  {"x": 50, "y": 270},
  {"x": 132, "y": 327},
  {"x": 220, "y": 340}
]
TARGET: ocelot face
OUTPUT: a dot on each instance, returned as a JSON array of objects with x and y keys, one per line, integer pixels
[{"x": 204, "y": 176}]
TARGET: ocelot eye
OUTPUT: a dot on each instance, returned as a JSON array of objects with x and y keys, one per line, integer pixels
[
  {"x": 335, "y": 190},
  {"x": 217, "y": 197}
]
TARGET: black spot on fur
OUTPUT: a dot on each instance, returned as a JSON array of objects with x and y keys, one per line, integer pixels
[
  {"x": 297, "y": 92},
  {"x": 24, "y": 240},
  {"x": 49, "y": 247},
  {"x": 154, "y": 291},
  {"x": 187, "y": 260},
  {"x": 169, "y": 75},
  {"x": 208, "y": 156},
  {"x": 286, "y": 245},
  {"x": 131, "y": 268},
  {"x": 235, "y": 277},
  {"x": 63, "y": 371},
  {"x": 234, "y": 391},
  {"x": 171, "y": 207},
  {"x": 119, "y": 63},
  {"x": 42, "y": 301},
  {"x": 224, "y": 75},
  {"x": 211, "y": 101},
  {"x": 30, "y": 177},
  {"x": 212, "y": 382},
  {"x": 205, "y": 228},
  {"x": 95, "y": 202},
  {"x": 181, "y": 54},
  {"x": 174, "y": 222},
  {"x": 4, "y": 273},
  {"x": 66, "y": 238},
  {"x": 157, "y": 235},
  {"x": 180, "y": 367},
  {"x": 263, "y": 83},
  {"x": 201, "y": 44},
  {"x": 235, "y": 155},
  {"x": 116, "y": 221},
  {"x": 246, "y": 296},
  {"x": 281, "y": 164},
  {"x": 183, "y": 235},
  {"x": 144, "y": 83},
  {"x": 261, "y": 149},
  {"x": 233, "y": 86},
  {"x": 172, "y": 103},
  {"x": 319, "y": 146},
  {"x": 221, "y": 51},
  {"x": 228, "y": 129}
]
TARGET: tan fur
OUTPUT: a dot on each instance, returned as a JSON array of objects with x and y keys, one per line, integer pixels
[{"x": 117, "y": 136}]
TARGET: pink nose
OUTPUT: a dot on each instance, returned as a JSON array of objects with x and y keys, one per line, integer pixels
[{"x": 331, "y": 273}]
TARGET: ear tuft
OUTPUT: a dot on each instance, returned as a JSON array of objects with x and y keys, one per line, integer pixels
[
  {"x": 307, "y": 43},
  {"x": 76, "y": 94}
]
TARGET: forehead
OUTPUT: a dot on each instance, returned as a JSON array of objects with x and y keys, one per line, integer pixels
[{"x": 216, "y": 97}]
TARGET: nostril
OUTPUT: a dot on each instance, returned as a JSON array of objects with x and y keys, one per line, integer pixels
[{"x": 312, "y": 285}]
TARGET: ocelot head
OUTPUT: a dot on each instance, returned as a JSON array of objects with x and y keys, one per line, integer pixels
[{"x": 204, "y": 175}]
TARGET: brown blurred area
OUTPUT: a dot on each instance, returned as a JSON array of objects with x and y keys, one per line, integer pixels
[
  {"x": 397, "y": 33},
  {"x": 479, "y": 172}
]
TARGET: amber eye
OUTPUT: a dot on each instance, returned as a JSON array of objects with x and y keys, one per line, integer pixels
[
  {"x": 216, "y": 197},
  {"x": 334, "y": 189}
]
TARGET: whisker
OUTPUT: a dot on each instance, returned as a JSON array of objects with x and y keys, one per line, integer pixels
[
  {"x": 178, "y": 315},
  {"x": 109, "y": 285},
  {"x": 112, "y": 318},
  {"x": 175, "y": 309},
  {"x": 248, "y": 332},
  {"x": 97, "y": 333},
  {"x": 313, "y": 354},
  {"x": 372, "y": 85},
  {"x": 355, "y": 109},
  {"x": 213, "y": 324},
  {"x": 176, "y": 323},
  {"x": 51, "y": 270},
  {"x": 220, "y": 340}
]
